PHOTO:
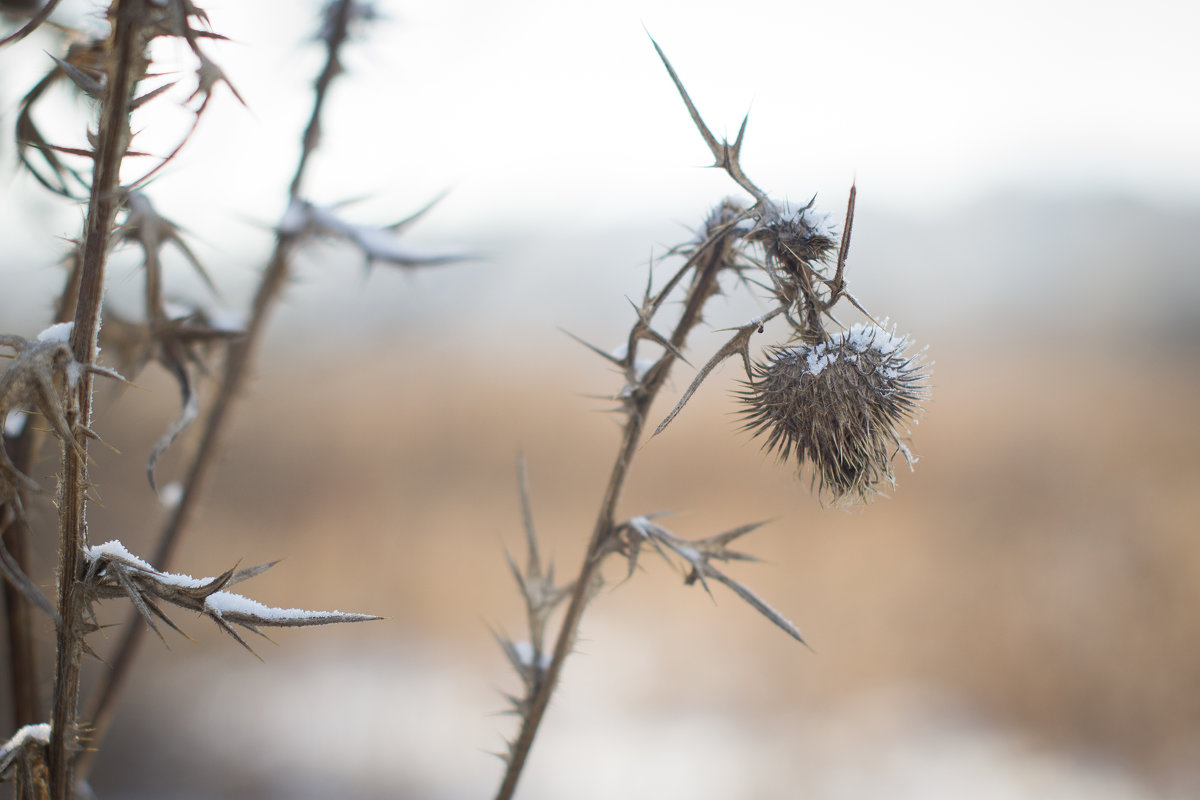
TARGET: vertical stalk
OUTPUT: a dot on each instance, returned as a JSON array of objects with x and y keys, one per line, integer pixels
[
  {"x": 704, "y": 285},
  {"x": 126, "y": 65}
]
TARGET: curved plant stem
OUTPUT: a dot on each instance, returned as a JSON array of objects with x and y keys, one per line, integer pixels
[
  {"x": 708, "y": 262},
  {"x": 238, "y": 358}
]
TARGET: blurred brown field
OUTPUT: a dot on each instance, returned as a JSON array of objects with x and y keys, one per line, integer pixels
[{"x": 1040, "y": 565}]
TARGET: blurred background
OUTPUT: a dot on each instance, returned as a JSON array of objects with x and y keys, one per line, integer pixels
[{"x": 1018, "y": 620}]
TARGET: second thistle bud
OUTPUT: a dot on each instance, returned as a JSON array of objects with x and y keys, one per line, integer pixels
[{"x": 842, "y": 404}]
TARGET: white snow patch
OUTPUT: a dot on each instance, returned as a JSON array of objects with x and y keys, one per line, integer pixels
[
  {"x": 59, "y": 332},
  {"x": 859, "y": 339},
  {"x": 177, "y": 311},
  {"x": 524, "y": 651},
  {"x": 14, "y": 423},
  {"x": 295, "y": 219},
  {"x": 640, "y": 365},
  {"x": 222, "y": 603},
  {"x": 820, "y": 357},
  {"x": 819, "y": 223},
  {"x": 223, "y": 319},
  {"x": 171, "y": 494},
  {"x": 114, "y": 550},
  {"x": 39, "y": 732}
]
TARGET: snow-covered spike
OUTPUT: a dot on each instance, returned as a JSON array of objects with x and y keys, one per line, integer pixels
[
  {"x": 243, "y": 611},
  {"x": 114, "y": 571},
  {"x": 377, "y": 244}
]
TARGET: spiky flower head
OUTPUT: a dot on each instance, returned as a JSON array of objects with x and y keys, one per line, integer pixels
[
  {"x": 842, "y": 404},
  {"x": 795, "y": 237}
]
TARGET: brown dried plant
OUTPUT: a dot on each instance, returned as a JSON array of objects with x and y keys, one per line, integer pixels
[
  {"x": 839, "y": 401},
  {"x": 51, "y": 376}
]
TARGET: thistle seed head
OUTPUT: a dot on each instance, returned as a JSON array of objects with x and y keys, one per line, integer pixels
[
  {"x": 843, "y": 404},
  {"x": 795, "y": 237}
]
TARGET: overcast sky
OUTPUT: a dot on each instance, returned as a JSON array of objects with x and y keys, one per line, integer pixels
[
  {"x": 549, "y": 116},
  {"x": 561, "y": 107}
]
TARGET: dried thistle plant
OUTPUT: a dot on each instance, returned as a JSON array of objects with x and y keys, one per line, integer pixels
[
  {"x": 50, "y": 377},
  {"x": 839, "y": 400}
]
